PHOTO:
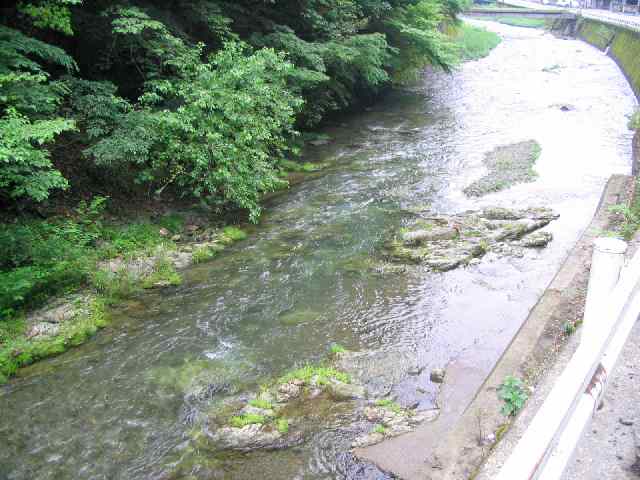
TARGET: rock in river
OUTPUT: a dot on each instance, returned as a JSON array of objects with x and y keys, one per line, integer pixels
[
  {"x": 253, "y": 437},
  {"x": 445, "y": 242}
]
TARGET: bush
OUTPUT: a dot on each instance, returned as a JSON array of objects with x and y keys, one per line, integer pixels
[{"x": 222, "y": 144}]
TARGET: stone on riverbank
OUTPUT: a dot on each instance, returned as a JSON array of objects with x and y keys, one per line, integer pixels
[{"x": 445, "y": 242}]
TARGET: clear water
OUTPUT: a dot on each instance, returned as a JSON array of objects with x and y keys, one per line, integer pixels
[{"x": 116, "y": 407}]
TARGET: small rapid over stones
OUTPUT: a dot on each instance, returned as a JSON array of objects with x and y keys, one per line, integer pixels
[{"x": 180, "y": 385}]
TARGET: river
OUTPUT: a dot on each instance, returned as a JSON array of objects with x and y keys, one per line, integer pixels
[{"x": 118, "y": 407}]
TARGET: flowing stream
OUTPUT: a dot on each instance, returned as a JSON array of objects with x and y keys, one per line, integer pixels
[{"x": 119, "y": 407}]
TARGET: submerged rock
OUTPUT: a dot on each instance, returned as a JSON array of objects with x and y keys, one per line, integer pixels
[
  {"x": 437, "y": 375},
  {"x": 537, "y": 240},
  {"x": 288, "y": 391},
  {"x": 445, "y": 242},
  {"x": 254, "y": 437},
  {"x": 345, "y": 391}
]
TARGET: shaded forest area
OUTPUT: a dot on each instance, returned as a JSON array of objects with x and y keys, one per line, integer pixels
[
  {"x": 173, "y": 102},
  {"x": 191, "y": 98}
]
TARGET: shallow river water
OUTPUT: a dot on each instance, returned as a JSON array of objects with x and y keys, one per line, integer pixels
[{"x": 118, "y": 407}]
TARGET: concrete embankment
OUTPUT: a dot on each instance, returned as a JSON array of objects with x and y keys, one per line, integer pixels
[
  {"x": 619, "y": 43},
  {"x": 563, "y": 299},
  {"x": 457, "y": 449}
]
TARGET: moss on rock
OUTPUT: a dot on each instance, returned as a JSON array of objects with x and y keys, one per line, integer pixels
[{"x": 507, "y": 165}]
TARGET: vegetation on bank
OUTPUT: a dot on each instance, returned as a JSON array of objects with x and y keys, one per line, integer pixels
[
  {"x": 513, "y": 393},
  {"x": 154, "y": 103},
  {"x": 198, "y": 99},
  {"x": 84, "y": 251},
  {"x": 520, "y": 21},
  {"x": 475, "y": 42}
]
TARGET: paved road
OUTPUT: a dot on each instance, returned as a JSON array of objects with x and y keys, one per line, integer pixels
[
  {"x": 609, "y": 449},
  {"x": 628, "y": 20}
]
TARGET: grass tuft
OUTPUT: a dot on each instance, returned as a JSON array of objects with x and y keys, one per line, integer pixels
[
  {"x": 308, "y": 372},
  {"x": 261, "y": 403},
  {"x": 245, "y": 419},
  {"x": 475, "y": 42}
]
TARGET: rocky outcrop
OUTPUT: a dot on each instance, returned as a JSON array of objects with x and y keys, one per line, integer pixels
[
  {"x": 390, "y": 420},
  {"x": 48, "y": 320},
  {"x": 445, "y": 242},
  {"x": 254, "y": 437}
]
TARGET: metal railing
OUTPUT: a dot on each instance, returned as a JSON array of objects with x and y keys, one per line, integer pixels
[{"x": 611, "y": 310}]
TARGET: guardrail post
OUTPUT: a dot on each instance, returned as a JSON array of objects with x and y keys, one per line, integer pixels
[
  {"x": 610, "y": 314},
  {"x": 606, "y": 263}
]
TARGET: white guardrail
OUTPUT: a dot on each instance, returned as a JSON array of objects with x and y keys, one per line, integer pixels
[
  {"x": 632, "y": 23},
  {"x": 611, "y": 309}
]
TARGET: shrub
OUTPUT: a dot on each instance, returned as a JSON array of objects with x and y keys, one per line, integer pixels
[{"x": 512, "y": 393}]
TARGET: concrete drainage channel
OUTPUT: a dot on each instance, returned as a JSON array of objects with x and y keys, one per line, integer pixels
[
  {"x": 482, "y": 438},
  {"x": 538, "y": 448}
]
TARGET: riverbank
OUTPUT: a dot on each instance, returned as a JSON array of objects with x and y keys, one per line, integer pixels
[
  {"x": 308, "y": 276},
  {"x": 82, "y": 266},
  {"x": 64, "y": 274}
]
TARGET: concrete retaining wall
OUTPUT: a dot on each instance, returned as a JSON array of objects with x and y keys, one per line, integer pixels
[{"x": 622, "y": 45}]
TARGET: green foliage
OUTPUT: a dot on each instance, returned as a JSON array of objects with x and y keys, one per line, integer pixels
[
  {"x": 630, "y": 216},
  {"x": 245, "y": 419},
  {"x": 521, "y": 21},
  {"x": 568, "y": 328},
  {"x": 282, "y": 425},
  {"x": 179, "y": 103},
  {"x": 380, "y": 429},
  {"x": 308, "y": 372},
  {"x": 236, "y": 117},
  {"x": 46, "y": 257},
  {"x": 50, "y": 14},
  {"x": 164, "y": 274},
  {"x": 261, "y": 403},
  {"x": 16, "y": 351},
  {"x": 204, "y": 254},
  {"x": 513, "y": 393},
  {"x": 336, "y": 348},
  {"x": 414, "y": 31},
  {"x": 475, "y": 42},
  {"x": 25, "y": 167},
  {"x": 389, "y": 404},
  {"x": 232, "y": 234},
  {"x": 27, "y": 124}
]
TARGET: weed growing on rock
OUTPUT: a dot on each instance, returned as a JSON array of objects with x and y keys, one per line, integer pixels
[
  {"x": 245, "y": 419},
  {"x": 389, "y": 405},
  {"x": 282, "y": 425},
  {"x": 322, "y": 374},
  {"x": 380, "y": 429},
  {"x": 261, "y": 403},
  {"x": 233, "y": 234}
]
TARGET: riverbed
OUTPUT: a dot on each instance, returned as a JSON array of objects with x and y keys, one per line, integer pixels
[{"x": 121, "y": 406}]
